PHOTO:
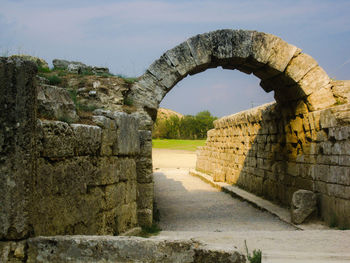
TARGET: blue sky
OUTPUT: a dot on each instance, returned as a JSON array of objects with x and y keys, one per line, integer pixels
[{"x": 127, "y": 36}]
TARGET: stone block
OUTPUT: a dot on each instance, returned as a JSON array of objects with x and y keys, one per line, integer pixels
[
  {"x": 201, "y": 50},
  {"x": 242, "y": 44},
  {"x": 344, "y": 160},
  {"x": 85, "y": 195},
  {"x": 304, "y": 204},
  {"x": 128, "y": 141},
  {"x": 321, "y": 99},
  {"x": 57, "y": 139},
  {"x": 262, "y": 46},
  {"x": 341, "y": 90},
  {"x": 108, "y": 170},
  {"x": 17, "y": 145},
  {"x": 145, "y": 195},
  {"x": 131, "y": 192},
  {"x": 328, "y": 159},
  {"x": 335, "y": 211},
  {"x": 88, "y": 139},
  {"x": 147, "y": 92},
  {"x": 166, "y": 74},
  {"x": 320, "y": 172},
  {"x": 341, "y": 148},
  {"x": 180, "y": 56},
  {"x": 40, "y": 63},
  {"x": 144, "y": 119},
  {"x": 314, "y": 80},
  {"x": 56, "y": 103},
  {"x": 126, "y": 217},
  {"x": 125, "y": 249},
  {"x": 62, "y": 215},
  {"x": 115, "y": 195},
  {"x": 145, "y": 143},
  {"x": 144, "y": 170},
  {"x": 221, "y": 43},
  {"x": 299, "y": 66},
  {"x": 339, "y": 133},
  {"x": 340, "y": 191},
  {"x": 145, "y": 217},
  {"x": 273, "y": 51},
  {"x": 127, "y": 169}
]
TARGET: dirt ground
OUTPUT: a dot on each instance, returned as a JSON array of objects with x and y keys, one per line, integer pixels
[
  {"x": 186, "y": 203},
  {"x": 164, "y": 158},
  {"x": 190, "y": 208}
]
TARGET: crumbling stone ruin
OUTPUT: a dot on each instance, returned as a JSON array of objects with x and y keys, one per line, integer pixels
[{"x": 59, "y": 176}]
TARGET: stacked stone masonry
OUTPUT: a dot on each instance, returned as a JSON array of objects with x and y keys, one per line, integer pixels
[
  {"x": 275, "y": 150},
  {"x": 59, "y": 178}
]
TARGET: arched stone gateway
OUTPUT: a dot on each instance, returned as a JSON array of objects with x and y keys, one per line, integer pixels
[
  {"x": 283, "y": 68},
  {"x": 300, "y": 142}
]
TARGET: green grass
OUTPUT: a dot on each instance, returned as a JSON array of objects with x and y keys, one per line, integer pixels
[
  {"x": 150, "y": 231},
  {"x": 256, "y": 257},
  {"x": 188, "y": 145},
  {"x": 54, "y": 80}
]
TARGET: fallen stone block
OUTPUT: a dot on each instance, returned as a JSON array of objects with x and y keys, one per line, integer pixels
[{"x": 303, "y": 205}]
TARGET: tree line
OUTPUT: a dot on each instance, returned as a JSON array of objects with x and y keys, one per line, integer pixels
[{"x": 188, "y": 127}]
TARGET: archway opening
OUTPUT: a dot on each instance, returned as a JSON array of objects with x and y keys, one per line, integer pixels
[
  {"x": 221, "y": 92},
  {"x": 262, "y": 143},
  {"x": 182, "y": 199}
]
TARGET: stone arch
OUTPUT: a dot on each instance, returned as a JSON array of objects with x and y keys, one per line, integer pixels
[{"x": 281, "y": 67}]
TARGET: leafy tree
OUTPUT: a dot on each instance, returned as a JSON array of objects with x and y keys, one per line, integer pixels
[{"x": 188, "y": 127}]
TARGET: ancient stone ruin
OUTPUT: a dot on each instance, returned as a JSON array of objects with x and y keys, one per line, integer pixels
[
  {"x": 299, "y": 142},
  {"x": 59, "y": 178}
]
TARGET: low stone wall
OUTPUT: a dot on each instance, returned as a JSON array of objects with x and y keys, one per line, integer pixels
[
  {"x": 114, "y": 249},
  {"x": 275, "y": 150}
]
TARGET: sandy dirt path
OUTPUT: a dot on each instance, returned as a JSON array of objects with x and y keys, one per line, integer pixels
[
  {"x": 186, "y": 203},
  {"x": 192, "y": 209},
  {"x": 164, "y": 158}
]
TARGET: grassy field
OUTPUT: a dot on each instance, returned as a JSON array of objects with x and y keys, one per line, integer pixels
[{"x": 188, "y": 145}]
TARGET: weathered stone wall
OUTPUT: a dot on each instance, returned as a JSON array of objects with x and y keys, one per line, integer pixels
[
  {"x": 274, "y": 150},
  {"x": 17, "y": 145},
  {"x": 85, "y": 181},
  {"x": 58, "y": 178}
]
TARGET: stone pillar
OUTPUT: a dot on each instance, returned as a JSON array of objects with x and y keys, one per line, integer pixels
[
  {"x": 17, "y": 145},
  {"x": 145, "y": 185}
]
